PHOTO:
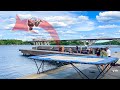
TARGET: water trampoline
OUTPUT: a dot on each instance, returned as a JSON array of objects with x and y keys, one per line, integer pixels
[{"x": 73, "y": 59}]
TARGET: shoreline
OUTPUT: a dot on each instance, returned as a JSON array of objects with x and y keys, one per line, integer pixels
[{"x": 113, "y": 46}]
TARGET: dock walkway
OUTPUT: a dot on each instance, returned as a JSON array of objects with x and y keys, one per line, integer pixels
[
  {"x": 41, "y": 52},
  {"x": 67, "y": 72}
]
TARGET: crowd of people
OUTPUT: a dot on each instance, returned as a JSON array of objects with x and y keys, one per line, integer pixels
[
  {"x": 102, "y": 52},
  {"x": 98, "y": 51}
]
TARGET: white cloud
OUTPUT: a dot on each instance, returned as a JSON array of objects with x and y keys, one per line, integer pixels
[
  {"x": 62, "y": 24},
  {"x": 108, "y": 26},
  {"x": 67, "y": 32},
  {"x": 37, "y": 31},
  {"x": 108, "y": 16},
  {"x": 101, "y": 33},
  {"x": 8, "y": 20},
  {"x": 81, "y": 36},
  {"x": 10, "y": 26},
  {"x": 83, "y": 18},
  {"x": 70, "y": 32},
  {"x": 28, "y": 37},
  {"x": 117, "y": 33},
  {"x": 19, "y": 34},
  {"x": 60, "y": 20},
  {"x": 65, "y": 23},
  {"x": 11, "y": 19},
  {"x": 1, "y": 35},
  {"x": 25, "y": 38},
  {"x": 85, "y": 26},
  {"x": 25, "y": 16}
]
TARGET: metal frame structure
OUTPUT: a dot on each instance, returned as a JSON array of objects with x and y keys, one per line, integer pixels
[{"x": 101, "y": 74}]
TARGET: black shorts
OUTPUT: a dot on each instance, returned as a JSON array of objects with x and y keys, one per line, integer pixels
[{"x": 112, "y": 64}]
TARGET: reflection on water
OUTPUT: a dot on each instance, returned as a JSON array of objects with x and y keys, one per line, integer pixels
[{"x": 14, "y": 65}]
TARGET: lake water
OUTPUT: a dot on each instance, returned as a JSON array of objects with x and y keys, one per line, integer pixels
[{"x": 14, "y": 65}]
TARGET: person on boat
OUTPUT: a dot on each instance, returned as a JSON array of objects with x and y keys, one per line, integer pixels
[
  {"x": 77, "y": 49},
  {"x": 109, "y": 55},
  {"x": 103, "y": 53},
  {"x": 70, "y": 50},
  {"x": 108, "y": 52},
  {"x": 98, "y": 52}
]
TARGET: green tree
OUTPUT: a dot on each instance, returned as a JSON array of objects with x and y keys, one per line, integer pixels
[{"x": 14, "y": 42}]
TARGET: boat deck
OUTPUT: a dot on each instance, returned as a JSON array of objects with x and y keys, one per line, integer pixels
[{"x": 42, "y": 52}]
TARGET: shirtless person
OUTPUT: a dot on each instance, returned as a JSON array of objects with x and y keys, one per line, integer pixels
[{"x": 32, "y": 23}]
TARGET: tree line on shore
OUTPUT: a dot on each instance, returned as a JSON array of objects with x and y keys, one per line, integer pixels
[
  {"x": 75, "y": 42},
  {"x": 14, "y": 42},
  {"x": 63, "y": 42}
]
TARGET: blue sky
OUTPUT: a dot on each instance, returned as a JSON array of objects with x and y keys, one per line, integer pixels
[{"x": 68, "y": 24}]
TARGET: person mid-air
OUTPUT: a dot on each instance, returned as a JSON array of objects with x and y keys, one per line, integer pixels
[{"x": 32, "y": 23}]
